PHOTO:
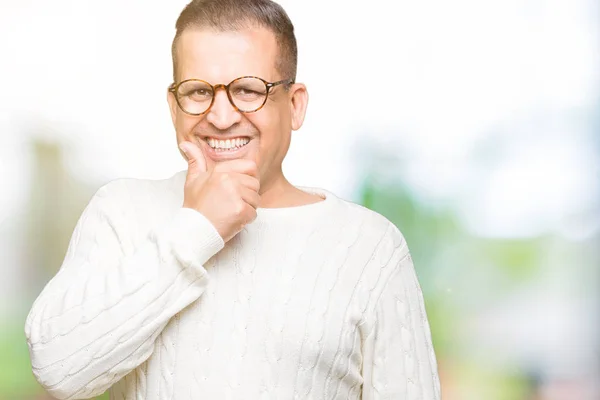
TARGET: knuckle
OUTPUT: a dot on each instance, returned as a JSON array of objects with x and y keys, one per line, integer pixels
[
  {"x": 233, "y": 188},
  {"x": 252, "y": 167},
  {"x": 252, "y": 215},
  {"x": 246, "y": 164},
  {"x": 225, "y": 177},
  {"x": 220, "y": 167},
  {"x": 239, "y": 208}
]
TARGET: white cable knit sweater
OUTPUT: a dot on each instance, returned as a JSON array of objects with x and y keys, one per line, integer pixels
[{"x": 313, "y": 302}]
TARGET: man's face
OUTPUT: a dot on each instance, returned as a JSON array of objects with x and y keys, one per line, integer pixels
[{"x": 219, "y": 58}]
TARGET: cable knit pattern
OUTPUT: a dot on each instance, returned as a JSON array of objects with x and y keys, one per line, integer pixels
[{"x": 313, "y": 302}]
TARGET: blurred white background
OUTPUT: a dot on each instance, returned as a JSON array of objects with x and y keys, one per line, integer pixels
[{"x": 487, "y": 107}]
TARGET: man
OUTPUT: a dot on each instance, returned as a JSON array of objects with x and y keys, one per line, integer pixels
[{"x": 226, "y": 281}]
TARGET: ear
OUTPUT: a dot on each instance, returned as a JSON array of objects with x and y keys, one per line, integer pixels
[
  {"x": 172, "y": 106},
  {"x": 298, "y": 104}
]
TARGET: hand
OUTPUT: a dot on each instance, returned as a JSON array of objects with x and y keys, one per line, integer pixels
[{"x": 227, "y": 195}]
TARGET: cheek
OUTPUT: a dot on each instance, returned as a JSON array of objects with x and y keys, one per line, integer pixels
[
  {"x": 273, "y": 123},
  {"x": 185, "y": 123},
  {"x": 267, "y": 125}
]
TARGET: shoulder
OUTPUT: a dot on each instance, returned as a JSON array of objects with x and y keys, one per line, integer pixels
[
  {"x": 382, "y": 250},
  {"x": 127, "y": 193},
  {"x": 373, "y": 225}
]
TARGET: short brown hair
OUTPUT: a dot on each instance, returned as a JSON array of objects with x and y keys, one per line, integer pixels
[{"x": 233, "y": 15}]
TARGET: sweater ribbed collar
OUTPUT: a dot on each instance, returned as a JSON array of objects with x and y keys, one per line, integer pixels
[{"x": 312, "y": 210}]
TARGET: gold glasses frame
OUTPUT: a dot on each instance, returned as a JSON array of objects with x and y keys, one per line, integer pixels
[{"x": 174, "y": 88}]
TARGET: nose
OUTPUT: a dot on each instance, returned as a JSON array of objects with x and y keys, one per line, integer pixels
[{"x": 222, "y": 114}]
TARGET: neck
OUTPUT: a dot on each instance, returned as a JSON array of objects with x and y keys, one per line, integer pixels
[{"x": 277, "y": 192}]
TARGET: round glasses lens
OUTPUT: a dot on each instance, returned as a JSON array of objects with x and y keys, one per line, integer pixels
[
  {"x": 248, "y": 94},
  {"x": 195, "y": 96}
]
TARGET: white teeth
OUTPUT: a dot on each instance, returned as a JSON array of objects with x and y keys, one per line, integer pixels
[{"x": 227, "y": 144}]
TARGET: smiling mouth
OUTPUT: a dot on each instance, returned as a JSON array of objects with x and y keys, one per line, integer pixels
[{"x": 227, "y": 146}]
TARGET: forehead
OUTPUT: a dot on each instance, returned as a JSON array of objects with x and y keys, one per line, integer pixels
[{"x": 219, "y": 57}]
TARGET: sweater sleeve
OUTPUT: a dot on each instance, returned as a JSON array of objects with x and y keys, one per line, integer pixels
[
  {"x": 98, "y": 317},
  {"x": 398, "y": 357}
]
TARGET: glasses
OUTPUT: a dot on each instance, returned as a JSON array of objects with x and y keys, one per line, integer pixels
[{"x": 246, "y": 94}]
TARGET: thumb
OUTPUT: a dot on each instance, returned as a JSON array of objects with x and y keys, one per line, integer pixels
[{"x": 195, "y": 158}]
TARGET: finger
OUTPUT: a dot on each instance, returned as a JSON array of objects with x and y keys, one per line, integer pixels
[
  {"x": 257, "y": 163},
  {"x": 239, "y": 165},
  {"x": 195, "y": 158},
  {"x": 246, "y": 180},
  {"x": 250, "y": 196}
]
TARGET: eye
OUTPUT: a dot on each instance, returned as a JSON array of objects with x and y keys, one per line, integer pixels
[
  {"x": 197, "y": 94},
  {"x": 242, "y": 91}
]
